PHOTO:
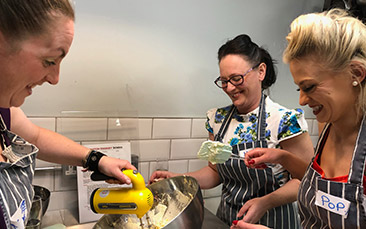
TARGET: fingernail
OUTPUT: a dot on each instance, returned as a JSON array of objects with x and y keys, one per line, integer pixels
[
  {"x": 235, "y": 222},
  {"x": 251, "y": 162}
]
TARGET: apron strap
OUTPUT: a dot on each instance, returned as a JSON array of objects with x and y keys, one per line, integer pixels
[
  {"x": 357, "y": 169},
  {"x": 261, "y": 128},
  {"x": 225, "y": 124}
]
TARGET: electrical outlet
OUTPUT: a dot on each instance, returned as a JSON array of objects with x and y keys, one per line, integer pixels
[{"x": 69, "y": 170}]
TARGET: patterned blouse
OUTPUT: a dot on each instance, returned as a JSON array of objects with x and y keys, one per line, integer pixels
[{"x": 282, "y": 124}]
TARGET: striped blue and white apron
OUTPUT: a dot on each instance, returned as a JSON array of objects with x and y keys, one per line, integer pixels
[
  {"x": 323, "y": 203},
  {"x": 241, "y": 183},
  {"x": 16, "y": 175}
]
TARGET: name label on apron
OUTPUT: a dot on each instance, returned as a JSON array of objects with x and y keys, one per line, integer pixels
[{"x": 332, "y": 203}]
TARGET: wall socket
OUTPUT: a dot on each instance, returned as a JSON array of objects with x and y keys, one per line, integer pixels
[{"x": 68, "y": 170}]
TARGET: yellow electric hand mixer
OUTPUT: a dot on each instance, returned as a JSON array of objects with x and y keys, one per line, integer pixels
[{"x": 136, "y": 200}]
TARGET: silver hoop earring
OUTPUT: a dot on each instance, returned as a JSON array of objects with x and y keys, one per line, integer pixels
[{"x": 354, "y": 83}]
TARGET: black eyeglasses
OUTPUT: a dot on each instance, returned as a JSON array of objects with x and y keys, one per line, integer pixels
[{"x": 234, "y": 80}]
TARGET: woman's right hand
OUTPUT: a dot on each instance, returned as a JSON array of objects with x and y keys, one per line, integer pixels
[
  {"x": 158, "y": 175},
  {"x": 257, "y": 157}
]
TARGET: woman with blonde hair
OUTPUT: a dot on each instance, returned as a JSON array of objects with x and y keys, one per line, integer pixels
[{"x": 326, "y": 53}]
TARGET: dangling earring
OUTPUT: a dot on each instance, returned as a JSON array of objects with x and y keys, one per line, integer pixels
[{"x": 354, "y": 83}]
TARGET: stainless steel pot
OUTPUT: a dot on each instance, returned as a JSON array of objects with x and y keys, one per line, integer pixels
[{"x": 191, "y": 212}]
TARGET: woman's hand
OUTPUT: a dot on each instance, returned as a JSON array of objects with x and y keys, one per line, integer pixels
[
  {"x": 159, "y": 175},
  {"x": 258, "y": 157},
  {"x": 112, "y": 167},
  {"x": 254, "y": 209}
]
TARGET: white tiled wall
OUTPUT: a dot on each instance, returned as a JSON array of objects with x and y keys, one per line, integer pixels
[{"x": 161, "y": 143}]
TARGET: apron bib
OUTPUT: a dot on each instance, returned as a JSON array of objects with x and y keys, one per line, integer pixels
[
  {"x": 241, "y": 183},
  {"x": 330, "y": 204},
  {"x": 16, "y": 174}
]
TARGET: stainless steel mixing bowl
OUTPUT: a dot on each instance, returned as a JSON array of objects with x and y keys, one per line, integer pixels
[
  {"x": 190, "y": 215},
  {"x": 39, "y": 207},
  {"x": 45, "y": 194}
]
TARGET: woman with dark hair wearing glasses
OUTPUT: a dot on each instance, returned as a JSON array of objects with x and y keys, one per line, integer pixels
[{"x": 263, "y": 196}]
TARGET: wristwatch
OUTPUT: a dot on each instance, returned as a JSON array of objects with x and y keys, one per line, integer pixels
[{"x": 91, "y": 161}]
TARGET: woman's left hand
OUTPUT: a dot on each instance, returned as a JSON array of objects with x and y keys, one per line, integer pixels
[
  {"x": 254, "y": 209},
  {"x": 112, "y": 167}
]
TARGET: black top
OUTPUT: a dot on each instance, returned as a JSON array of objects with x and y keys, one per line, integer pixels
[{"x": 5, "y": 115}]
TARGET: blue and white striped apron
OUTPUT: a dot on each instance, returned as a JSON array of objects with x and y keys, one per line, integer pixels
[
  {"x": 241, "y": 183},
  {"x": 16, "y": 175},
  {"x": 313, "y": 216}
]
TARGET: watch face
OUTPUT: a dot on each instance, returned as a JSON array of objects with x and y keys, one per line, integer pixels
[{"x": 93, "y": 158}]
